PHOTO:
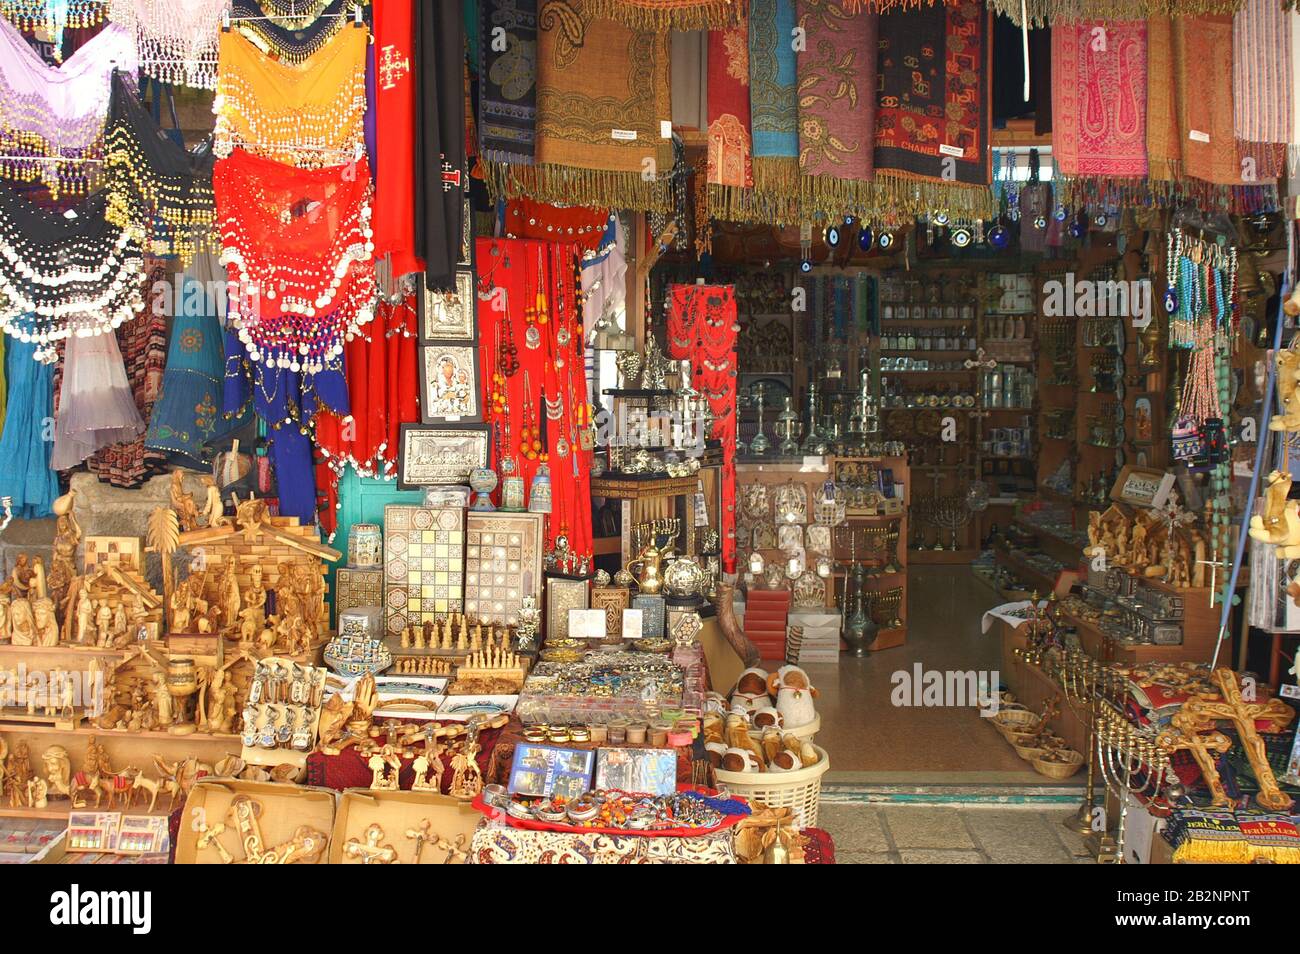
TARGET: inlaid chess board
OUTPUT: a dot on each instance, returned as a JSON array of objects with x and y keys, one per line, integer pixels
[
  {"x": 503, "y": 564},
  {"x": 424, "y": 564}
]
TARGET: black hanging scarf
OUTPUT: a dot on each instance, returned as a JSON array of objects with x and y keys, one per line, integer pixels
[{"x": 440, "y": 139}]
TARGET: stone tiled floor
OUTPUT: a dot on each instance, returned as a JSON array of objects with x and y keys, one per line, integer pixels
[{"x": 964, "y": 835}]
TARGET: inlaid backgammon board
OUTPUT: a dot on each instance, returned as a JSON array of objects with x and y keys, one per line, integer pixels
[
  {"x": 424, "y": 564},
  {"x": 503, "y": 564}
]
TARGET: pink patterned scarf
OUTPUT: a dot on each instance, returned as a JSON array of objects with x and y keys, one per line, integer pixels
[{"x": 1099, "y": 98}]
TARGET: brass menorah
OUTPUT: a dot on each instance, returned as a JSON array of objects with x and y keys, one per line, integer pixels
[
  {"x": 661, "y": 533},
  {"x": 1131, "y": 763}
]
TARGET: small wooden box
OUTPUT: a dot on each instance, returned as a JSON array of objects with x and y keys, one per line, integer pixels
[
  {"x": 613, "y": 600},
  {"x": 284, "y": 809},
  {"x": 562, "y": 595},
  {"x": 397, "y": 813}
]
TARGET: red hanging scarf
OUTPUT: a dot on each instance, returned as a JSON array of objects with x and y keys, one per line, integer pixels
[{"x": 394, "y": 222}]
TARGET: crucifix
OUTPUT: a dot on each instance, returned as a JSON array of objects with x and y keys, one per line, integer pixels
[
  {"x": 208, "y": 838},
  {"x": 1215, "y": 563},
  {"x": 1243, "y": 716},
  {"x": 421, "y": 836},
  {"x": 1186, "y": 734},
  {"x": 370, "y": 851}
]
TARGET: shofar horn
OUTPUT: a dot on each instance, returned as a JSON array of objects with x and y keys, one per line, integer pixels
[{"x": 731, "y": 630}]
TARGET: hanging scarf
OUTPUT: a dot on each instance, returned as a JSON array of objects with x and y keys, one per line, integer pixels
[
  {"x": 730, "y": 139},
  {"x": 702, "y": 327},
  {"x": 933, "y": 111},
  {"x": 394, "y": 158},
  {"x": 57, "y": 112},
  {"x": 61, "y": 275},
  {"x": 774, "y": 115},
  {"x": 292, "y": 31},
  {"x": 440, "y": 183},
  {"x": 154, "y": 184},
  {"x": 177, "y": 42},
  {"x": 1203, "y": 65},
  {"x": 540, "y": 406},
  {"x": 53, "y": 17},
  {"x": 1262, "y": 78},
  {"x": 294, "y": 242},
  {"x": 383, "y": 394},
  {"x": 309, "y": 116},
  {"x": 602, "y": 92},
  {"x": 1099, "y": 99},
  {"x": 1052, "y": 12},
  {"x": 507, "y": 81},
  {"x": 837, "y": 109},
  {"x": 1164, "y": 148}
]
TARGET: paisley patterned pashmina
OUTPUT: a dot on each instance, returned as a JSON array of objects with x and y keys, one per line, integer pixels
[{"x": 1099, "y": 99}]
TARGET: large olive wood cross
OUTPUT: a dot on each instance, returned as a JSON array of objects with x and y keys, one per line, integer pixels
[
  {"x": 1187, "y": 734},
  {"x": 1243, "y": 716}
]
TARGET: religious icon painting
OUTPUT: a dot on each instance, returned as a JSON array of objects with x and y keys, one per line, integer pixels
[
  {"x": 430, "y": 455},
  {"x": 449, "y": 315},
  {"x": 449, "y": 388}
]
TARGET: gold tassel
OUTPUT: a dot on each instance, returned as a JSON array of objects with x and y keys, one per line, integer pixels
[
  {"x": 569, "y": 185},
  {"x": 657, "y": 16}
]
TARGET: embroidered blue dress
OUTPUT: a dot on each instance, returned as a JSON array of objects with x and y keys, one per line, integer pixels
[
  {"x": 187, "y": 420},
  {"x": 25, "y": 474}
]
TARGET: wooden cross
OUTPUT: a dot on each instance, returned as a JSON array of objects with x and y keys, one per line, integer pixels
[
  {"x": 306, "y": 844},
  {"x": 370, "y": 851},
  {"x": 208, "y": 839},
  {"x": 1186, "y": 734},
  {"x": 1243, "y": 715},
  {"x": 421, "y": 836}
]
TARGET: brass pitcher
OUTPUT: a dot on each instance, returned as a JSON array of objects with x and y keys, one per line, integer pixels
[{"x": 649, "y": 577}]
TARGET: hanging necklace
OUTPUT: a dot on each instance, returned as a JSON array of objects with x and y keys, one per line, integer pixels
[{"x": 530, "y": 438}]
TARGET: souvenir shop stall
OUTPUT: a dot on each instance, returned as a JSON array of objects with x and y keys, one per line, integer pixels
[{"x": 464, "y": 431}]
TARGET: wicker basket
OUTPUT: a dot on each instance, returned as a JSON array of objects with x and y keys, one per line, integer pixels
[
  {"x": 1016, "y": 721},
  {"x": 800, "y": 790},
  {"x": 1028, "y": 752},
  {"x": 1059, "y": 770},
  {"x": 805, "y": 733}
]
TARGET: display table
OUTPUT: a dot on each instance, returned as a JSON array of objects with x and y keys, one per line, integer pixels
[{"x": 495, "y": 844}]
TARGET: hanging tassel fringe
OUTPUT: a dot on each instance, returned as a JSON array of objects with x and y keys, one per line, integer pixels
[
  {"x": 659, "y": 15},
  {"x": 569, "y": 185},
  {"x": 1046, "y": 12}
]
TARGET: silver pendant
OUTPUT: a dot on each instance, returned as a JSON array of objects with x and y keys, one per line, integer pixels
[
  {"x": 562, "y": 447},
  {"x": 533, "y": 337}
]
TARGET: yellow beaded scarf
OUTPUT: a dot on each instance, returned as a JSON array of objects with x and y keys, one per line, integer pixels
[{"x": 309, "y": 116}]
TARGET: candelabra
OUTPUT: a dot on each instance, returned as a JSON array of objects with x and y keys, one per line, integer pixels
[
  {"x": 1086, "y": 684},
  {"x": 1131, "y": 764},
  {"x": 949, "y": 513}
]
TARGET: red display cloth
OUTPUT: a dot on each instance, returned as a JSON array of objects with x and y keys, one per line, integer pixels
[
  {"x": 580, "y": 225},
  {"x": 818, "y": 848},
  {"x": 702, "y": 327},
  {"x": 503, "y": 753},
  {"x": 349, "y": 770},
  {"x": 519, "y": 281},
  {"x": 394, "y": 208}
]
